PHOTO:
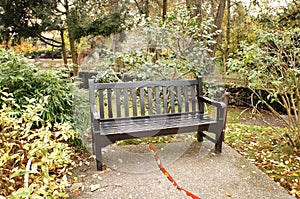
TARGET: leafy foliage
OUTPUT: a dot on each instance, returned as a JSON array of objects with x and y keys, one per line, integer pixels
[
  {"x": 271, "y": 64},
  {"x": 179, "y": 45},
  {"x": 177, "y": 48},
  {"x": 26, "y": 18},
  {"x": 27, "y": 81},
  {"x": 33, "y": 161},
  {"x": 107, "y": 76}
]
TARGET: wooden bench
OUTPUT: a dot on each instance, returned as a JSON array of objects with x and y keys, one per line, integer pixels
[{"x": 128, "y": 110}]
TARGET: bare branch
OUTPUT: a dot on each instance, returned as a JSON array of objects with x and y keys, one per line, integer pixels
[{"x": 49, "y": 41}]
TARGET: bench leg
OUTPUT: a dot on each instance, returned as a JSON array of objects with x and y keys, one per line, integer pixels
[
  {"x": 98, "y": 145},
  {"x": 199, "y": 136},
  {"x": 218, "y": 145},
  {"x": 98, "y": 154}
]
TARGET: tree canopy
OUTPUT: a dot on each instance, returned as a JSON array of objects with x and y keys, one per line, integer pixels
[{"x": 24, "y": 19}]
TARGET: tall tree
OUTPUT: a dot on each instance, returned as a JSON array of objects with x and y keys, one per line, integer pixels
[
  {"x": 164, "y": 12},
  {"x": 218, "y": 23},
  {"x": 227, "y": 36}
]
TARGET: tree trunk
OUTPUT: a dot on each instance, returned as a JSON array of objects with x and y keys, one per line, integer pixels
[
  {"x": 227, "y": 36},
  {"x": 218, "y": 23},
  {"x": 146, "y": 8},
  {"x": 63, "y": 48},
  {"x": 198, "y": 5},
  {"x": 165, "y": 6},
  {"x": 142, "y": 6},
  {"x": 73, "y": 48},
  {"x": 116, "y": 47},
  {"x": 74, "y": 55},
  {"x": 188, "y": 4}
]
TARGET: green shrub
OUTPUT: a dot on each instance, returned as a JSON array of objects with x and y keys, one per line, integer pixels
[
  {"x": 33, "y": 161},
  {"x": 270, "y": 67},
  {"x": 27, "y": 81}
]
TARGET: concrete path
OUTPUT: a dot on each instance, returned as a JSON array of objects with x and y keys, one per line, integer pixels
[{"x": 133, "y": 173}]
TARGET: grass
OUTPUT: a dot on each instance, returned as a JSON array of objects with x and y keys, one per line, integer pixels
[{"x": 267, "y": 148}]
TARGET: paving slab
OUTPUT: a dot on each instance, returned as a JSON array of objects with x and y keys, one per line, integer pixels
[{"x": 133, "y": 173}]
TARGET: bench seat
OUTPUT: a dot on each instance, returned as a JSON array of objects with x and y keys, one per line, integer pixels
[{"x": 155, "y": 124}]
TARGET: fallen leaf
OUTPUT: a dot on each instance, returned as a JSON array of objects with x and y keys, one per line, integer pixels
[
  {"x": 228, "y": 194},
  {"x": 76, "y": 192},
  {"x": 294, "y": 174},
  {"x": 75, "y": 179},
  {"x": 269, "y": 187},
  {"x": 76, "y": 186},
  {"x": 94, "y": 187}
]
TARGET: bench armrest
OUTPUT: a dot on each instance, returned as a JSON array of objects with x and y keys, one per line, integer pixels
[
  {"x": 94, "y": 112},
  {"x": 207, "y": 100},
  {"x": 221, "y": 108}
]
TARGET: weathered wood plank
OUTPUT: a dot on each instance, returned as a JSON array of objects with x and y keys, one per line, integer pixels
[
  {"x": 172, "y": 99},
  {"x": 165, "y": 100},
  {"x": 186, "y": 98},
  {"x": 126, "y": 105},
  {"x": 150, "y": 98},
  {"x": 194, "y": 100},
  {"x": 142, "y": 99},
  {"x": 118, "y": 102},
  {"x": 134, "y": 104},
  {"x": 144, "y": 84},
  {"x": 179, "y": 99},
  {"x": 157, "y": 100},
  {"x": 101, "y": 104},
  {"x": 109, "y": 103}
]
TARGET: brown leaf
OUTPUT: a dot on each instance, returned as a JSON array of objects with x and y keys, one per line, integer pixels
[
  {"x": 269, "y": 187},
  {"x": 228, "y": 194},
  {"x": 94, "y": 187},
  {"x": 76, "y": 192}
]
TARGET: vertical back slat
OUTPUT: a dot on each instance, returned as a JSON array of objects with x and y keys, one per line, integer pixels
[
  {"x": 142, "y": 98},
  {"x": 172, "y": 103},
  {"x": 118, "y": 102},
  {"x": 179, "y": 99},
  {"x": 109, "y": 103},
  {"x": 165, "y": 99},
  {"x": 126, "y": 106},
  {"x": 193, "y": 96},
  {"x": 186, "y": 98},
  {"x": 200, "y": 93},
  {"x": 134, "y": 104},
  {"x": 101, "y": 103},
  {"x": 150, "y": 106},
  {"x": 157, "y": 100}
]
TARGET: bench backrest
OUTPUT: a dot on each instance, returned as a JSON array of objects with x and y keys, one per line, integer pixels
[{"x": 140, "y": 99}]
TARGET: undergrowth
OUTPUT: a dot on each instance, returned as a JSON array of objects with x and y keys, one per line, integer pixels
[{"x": 33, "y": 160}]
